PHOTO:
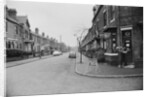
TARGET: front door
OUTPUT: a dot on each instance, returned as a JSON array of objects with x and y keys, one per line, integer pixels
[{"x": 127, "y": 42}]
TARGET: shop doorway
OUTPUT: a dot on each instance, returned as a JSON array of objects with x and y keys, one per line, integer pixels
[{"x": 127, "y": 42}]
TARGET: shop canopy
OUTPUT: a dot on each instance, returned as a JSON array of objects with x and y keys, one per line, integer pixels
[{"x": 110, "y": 29}]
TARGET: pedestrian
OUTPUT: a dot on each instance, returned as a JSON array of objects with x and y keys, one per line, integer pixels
[{"x": 124, "y": 56}]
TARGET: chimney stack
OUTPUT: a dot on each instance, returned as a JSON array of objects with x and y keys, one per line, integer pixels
[
  {"x": 12, "y": 13},
  {"x": 43, "y": 34},
  {"x": 37, "y": 31}
]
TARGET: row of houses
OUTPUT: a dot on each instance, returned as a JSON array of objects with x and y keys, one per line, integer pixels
[
  {"x": 19, "y": 36},
  {"x": 113, "y": 27}
]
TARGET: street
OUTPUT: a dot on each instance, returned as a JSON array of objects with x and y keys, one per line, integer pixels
[{"x": 56, "y": 75}]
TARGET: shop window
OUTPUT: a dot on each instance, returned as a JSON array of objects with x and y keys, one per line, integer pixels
[
  {"x": 114, "y": 41},
  {"x": 105, "y": 45},
  {"x": 114, "y": 47}
]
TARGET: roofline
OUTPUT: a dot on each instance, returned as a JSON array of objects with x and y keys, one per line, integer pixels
[
  {"x": 97, "y": 12},
  {"x": 11, "y": 20},
  {"x": 26, "y": 19}
]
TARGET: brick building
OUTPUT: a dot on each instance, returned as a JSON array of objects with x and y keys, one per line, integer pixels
[{"x": 115, "y": 26}]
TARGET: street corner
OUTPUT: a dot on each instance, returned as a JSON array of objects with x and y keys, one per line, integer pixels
[
  {"x": 106, "y": 71},
  {"x": 86, "y": 68},
  {"x": 81, "y": 68}
]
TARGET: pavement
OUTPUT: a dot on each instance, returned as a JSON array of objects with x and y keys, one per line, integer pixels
[
  {"x": 89, "y": 67},
  {"x": 24, "y": 61}
]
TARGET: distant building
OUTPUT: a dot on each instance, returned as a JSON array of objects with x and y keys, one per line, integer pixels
[
  {"x": 115, "y": 26},
  {"x": 36, "y": 41}
]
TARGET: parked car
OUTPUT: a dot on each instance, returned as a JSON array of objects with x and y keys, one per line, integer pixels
[
  {"x": 57, "y": 53},
  {"x": 72, "y": 55}
]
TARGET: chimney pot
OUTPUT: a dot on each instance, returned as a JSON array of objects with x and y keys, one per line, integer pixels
[{"x": 36, "y": 30}]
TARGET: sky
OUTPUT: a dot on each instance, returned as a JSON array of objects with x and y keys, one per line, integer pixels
[{"x": 58, "y": 20}]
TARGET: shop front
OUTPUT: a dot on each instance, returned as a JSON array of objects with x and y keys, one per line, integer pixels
[{"x": 110, "y": 45}]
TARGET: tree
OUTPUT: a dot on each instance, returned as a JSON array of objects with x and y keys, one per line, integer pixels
[{"x": 79, "y": 40}]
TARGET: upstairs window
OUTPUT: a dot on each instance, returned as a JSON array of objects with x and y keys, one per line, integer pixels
[
  {"x": 105, "y": 18},
  {"x": 112, "y": 12},
  {"x": 16, "y": 28}
]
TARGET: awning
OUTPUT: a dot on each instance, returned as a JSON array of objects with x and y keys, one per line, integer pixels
[{"x": 110, "y": 29}]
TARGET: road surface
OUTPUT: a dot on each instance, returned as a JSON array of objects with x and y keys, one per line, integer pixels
[{"x": 56, "y": 75}]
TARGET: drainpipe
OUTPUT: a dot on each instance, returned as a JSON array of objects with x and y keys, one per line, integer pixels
[{"x": 119, "y": 35}]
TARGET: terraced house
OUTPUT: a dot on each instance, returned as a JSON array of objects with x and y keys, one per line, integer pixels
[
  {"x": 14, "y": 36},
  {"x": 21, "y": 41},
  {"x": 116, "y": 26}
]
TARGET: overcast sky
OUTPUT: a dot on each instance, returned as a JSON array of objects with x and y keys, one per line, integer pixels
[{"x": 56, "y": 19}]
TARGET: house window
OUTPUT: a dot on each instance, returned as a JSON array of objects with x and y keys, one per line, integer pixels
[
  {"x": 16, "y": 28},
  {"x": 20, "y": 32},
  {"x": 6, "y": 26},
  {"x": 9, "y": 44},
  {"x": 105, "y": 18},
  {"x": 112, "y": 12},
  {"x": 31, "y": 36},
  {"x": 6, "y": 44}
]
